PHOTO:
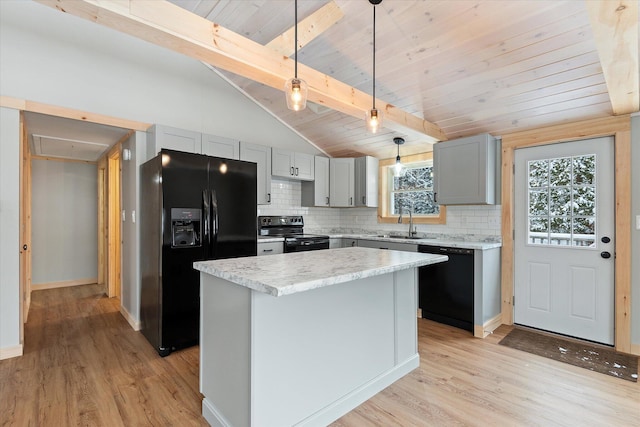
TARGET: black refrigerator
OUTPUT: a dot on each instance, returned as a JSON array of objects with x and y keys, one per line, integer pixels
[{"x": 192, "y": 208}]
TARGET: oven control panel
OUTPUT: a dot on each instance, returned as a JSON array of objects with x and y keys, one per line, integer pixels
[{"x": 280, "y": 221}]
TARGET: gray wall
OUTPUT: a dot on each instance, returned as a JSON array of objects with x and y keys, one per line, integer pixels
[
  {"x": 635, "y": 233},
  {"x": 64, "y": 222},
  {"x": 10, "y": 340},
  {"x": 130, "y": 296}
]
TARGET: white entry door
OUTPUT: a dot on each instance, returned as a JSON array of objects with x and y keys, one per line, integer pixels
[{"x": 564, "y": 238}]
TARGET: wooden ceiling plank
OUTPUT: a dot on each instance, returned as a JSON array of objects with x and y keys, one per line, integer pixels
[
  {"x": 615, "y": 28},
  {"x": 308, "y": 29},
  {"x": 172, "y": 27}
]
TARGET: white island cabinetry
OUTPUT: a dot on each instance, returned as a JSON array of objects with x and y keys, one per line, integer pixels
[{"x": 290, "y": 339}]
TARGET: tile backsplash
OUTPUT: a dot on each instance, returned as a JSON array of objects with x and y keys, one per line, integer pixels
[{"x": 478, "y": 220}]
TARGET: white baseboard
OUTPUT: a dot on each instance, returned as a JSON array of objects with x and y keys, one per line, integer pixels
[
  {"x": 129, "y": 318},
  {"x": 63, "y": 284},
  {"x": 9, "y": 352}
]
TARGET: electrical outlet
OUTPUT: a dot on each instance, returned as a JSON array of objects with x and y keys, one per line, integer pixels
[{"x": 493, "y": 221}]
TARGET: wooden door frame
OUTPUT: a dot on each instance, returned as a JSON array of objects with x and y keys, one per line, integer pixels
[
  {"x": 114, "y": 222},
  {"x": 620, "y": 128},
  {"x": 25, "y": 225},
  {"x": 23, "y": 106}
]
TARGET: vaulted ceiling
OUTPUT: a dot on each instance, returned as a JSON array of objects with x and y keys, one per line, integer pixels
[{"x": 444, "y": 69}]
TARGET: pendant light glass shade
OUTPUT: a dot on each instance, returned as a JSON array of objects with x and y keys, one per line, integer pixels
[
  {"x": 295, "y": 89},
  {"x": 374, "y": 120},
  {"x": 398, "y": 168},
  {"x": 374, "y": 116}
]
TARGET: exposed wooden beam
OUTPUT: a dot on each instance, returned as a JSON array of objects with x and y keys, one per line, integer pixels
[
  {"x": 615, "y": 28},
  {"x": 308, "y": 29},
  {"x": 169, "y": 26}
]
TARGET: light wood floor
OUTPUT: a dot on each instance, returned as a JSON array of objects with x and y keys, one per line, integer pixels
[{"x": 84, "y": 365}]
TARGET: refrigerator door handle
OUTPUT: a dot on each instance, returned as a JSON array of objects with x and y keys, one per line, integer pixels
[
  {"x": 206, "y": 208},
  {"x": 214, "y": 222}
]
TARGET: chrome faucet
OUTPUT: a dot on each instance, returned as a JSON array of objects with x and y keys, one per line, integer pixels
[{"x": 411, "y": 231}]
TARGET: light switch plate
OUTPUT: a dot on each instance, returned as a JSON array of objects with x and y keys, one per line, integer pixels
[
  {"x": 124, "y": 215},
  {"x": 133, "y": 216}
]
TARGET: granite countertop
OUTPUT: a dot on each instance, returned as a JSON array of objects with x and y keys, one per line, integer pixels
[
  {"x": 290, "y": 273},
  {"x": 448, "y": 242}
]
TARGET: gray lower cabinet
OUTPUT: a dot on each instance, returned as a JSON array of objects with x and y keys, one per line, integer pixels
[
  {"x": 261, "y": 155},
  {"x": 348, "y": 243},
  {"x": 335, "y": 242},
  {"x": 465, "y": 171},
  {"x": 270, "y": 248},
  {"x": 379, "y": 244}
]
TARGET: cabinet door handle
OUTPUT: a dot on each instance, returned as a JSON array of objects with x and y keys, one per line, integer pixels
[
  {"x": 435, "y": 197},
  {"x": 296, "y": 171},
  {"x": 291, "y": 170},
  {"x": 327, "y": 201},
  {"x": 267, "y": 250},
  {"x": 268, "y": 197},
  {"x": 364, "y": 200},
  {"x": 350, "y": 201}
]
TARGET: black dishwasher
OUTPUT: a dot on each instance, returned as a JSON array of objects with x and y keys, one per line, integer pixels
[{"x": 446, "y": 288}]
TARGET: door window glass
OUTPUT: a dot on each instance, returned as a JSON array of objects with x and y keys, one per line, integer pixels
[{"x": 562, "y": 201}]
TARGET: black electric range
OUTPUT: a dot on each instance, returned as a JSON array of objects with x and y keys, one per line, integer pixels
[{"x": 291, "y": 228}]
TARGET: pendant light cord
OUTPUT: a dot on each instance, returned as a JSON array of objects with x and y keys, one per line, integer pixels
[
  {"x": 296, "y": 40},
  {"x": 374, "y": 56}
]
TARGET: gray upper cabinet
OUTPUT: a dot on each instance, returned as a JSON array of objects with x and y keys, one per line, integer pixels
[
  {"x": 260, "y": 155},
  {"x": 464, "y": 171},
  {"x": 219, "y": 146},
  {"x": 289, "y": 164},
  {"x": 160, "y": 136},
  {"x": 341, "y": 182},
  {"x": 366, "y": 181},
  {"x": 316, "y": 192}
]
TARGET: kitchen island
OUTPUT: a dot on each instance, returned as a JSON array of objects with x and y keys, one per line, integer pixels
[{"x": 303, "y": 338}]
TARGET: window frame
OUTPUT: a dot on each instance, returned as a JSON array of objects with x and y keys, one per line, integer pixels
[{"x": 384, "y": 215}]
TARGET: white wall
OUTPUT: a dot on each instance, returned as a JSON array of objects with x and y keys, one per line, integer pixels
[
  {"x": 64, "y": 222},
  {"x": 10, "y": 340}
]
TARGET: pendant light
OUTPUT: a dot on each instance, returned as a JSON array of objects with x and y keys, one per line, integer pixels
[
  {"x": 295, "y": 89},
  {"x": 398, "y": 168},
  {"x": 374, "y": 116}
]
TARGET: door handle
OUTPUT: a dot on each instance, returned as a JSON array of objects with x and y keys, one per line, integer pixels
[
  {"x": 291, "y": 170},
  {"x": 605, "y": 255}
]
